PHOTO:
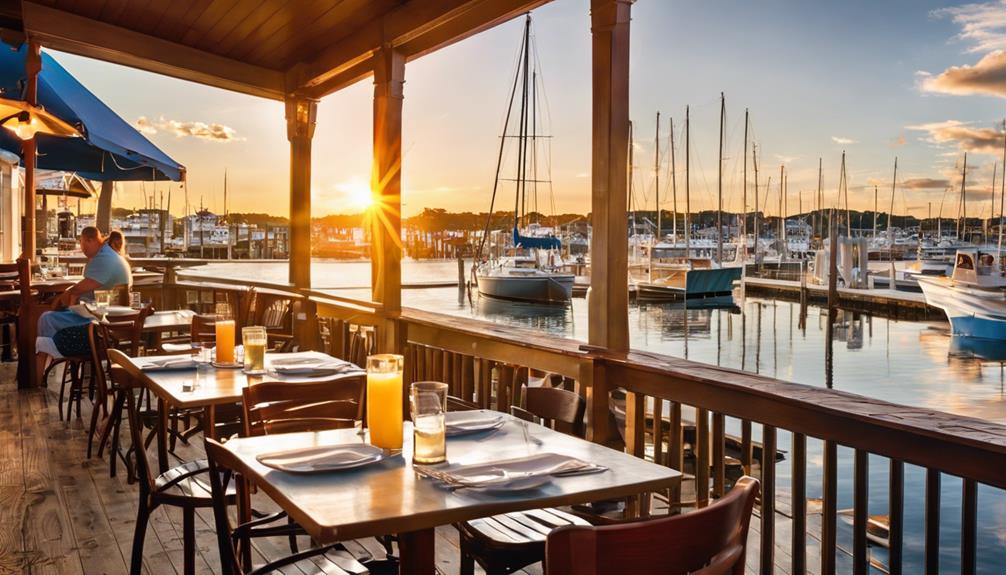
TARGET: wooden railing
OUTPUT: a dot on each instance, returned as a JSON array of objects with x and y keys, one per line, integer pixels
[{"x": 678, "y": 412}]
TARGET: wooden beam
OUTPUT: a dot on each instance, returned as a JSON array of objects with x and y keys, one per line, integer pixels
[
  {"x": 413, "y": 29},
  {"x": 608, "y": 308},
  {"x": 68, "y": 32},
  {"x": 301, "y": 114},
  {"x": 385, "y": 214},
  {"x": 27, "y": 369}
]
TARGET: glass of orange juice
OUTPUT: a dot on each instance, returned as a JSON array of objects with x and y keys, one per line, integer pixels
[{"x": 384, "y": 400}]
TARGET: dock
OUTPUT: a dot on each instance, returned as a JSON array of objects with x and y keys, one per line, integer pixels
[{"x": 879, "y": 302}]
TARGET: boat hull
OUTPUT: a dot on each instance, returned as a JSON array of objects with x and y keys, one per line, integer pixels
[
  {"x": 552, "y": 289},
  {"x": 972, "y": 312},
  {"x": 695, "y": 284}
]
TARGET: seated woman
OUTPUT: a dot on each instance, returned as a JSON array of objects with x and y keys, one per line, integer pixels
[
  {"x": 117, "y": 242},
  {"x": 105, "y": 269}
]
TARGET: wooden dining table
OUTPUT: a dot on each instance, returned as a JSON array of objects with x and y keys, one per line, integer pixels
[
  {"x": 390, "y": 497},
  {"x": 207, "y": 387}
]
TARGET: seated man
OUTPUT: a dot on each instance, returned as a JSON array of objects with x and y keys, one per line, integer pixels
[{"x": 105, "y": 269}]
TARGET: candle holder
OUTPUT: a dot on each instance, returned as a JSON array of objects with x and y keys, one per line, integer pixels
[{"x": 384, "y": 400}]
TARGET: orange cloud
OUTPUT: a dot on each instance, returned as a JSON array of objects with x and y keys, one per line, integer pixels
[
  {"x": 213, "y": 131},
  {"x": 987, "y": 77}
]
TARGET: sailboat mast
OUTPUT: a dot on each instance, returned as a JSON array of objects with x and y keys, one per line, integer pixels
[
  {"x": 744, "y": 194},
  {"x": 964, "y": 197},
  {"x": 992, "y": 212},
  {"x": 820, "y": 195},
  {"x": 890, "y": 216},
  {"x": 674, "y": 190},
  {"x": 1002, "y": 199},
  {"x": 522, "y": 130},
  {"x": 688, "y": 179},
  {"x": 656, "y": 173},
  {"x": 845, "y": 186},
  {"x": 754, "y": 164},
  {"x": 876, "y": 208},
  {"x": 719, "y": 205},
  {"x": 782, "y": 217},
  {"x": 534, "y": 141},
  {"x": 632, "y": 206}
]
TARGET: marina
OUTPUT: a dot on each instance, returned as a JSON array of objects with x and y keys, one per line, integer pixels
[{"x": 422, "y": 287}]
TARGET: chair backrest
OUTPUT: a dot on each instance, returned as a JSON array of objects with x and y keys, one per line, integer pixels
[
  {"x": 128, "y": 378},
  {"x": 282, "y": 407},
  {"x": 709, "y": 541},
  {"x": 221, "y": 463},
  {"x": 127, "y": 330},
  {"x": 558, "y": 408},
  {"x": 99, "y": 341},
  {"x": 203, "y": 328}
]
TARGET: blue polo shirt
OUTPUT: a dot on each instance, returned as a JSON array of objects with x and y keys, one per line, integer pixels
[{"x": 109, "y": 269}]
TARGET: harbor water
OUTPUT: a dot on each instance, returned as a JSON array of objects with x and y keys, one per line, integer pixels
[{"x": 913, "y": 363}]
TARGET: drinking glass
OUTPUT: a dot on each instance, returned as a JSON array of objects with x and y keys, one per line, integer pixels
[
  {"x": 102, "y": 299},
  {"x": 429, "y": 404},
  {"x": 255, "y": 339},
  {"x": 135, "y": 300},
  {"x": 384, "y": 400}
]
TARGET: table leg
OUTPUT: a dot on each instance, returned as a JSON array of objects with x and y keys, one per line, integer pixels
[
  {"x": 416, "y": 551},
  {"x": 210, "y": 422},
  {"x": 162, "y": 434}
]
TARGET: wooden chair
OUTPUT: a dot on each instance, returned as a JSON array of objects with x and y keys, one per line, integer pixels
[
  {"x": 284, "y": 407},
  {"x": 709, "y": 541},
  {"x": 288, "y": 407},
  {"x": 509, "y": 542},
  {"x": 186, "y": 486},
  {"x": 331, "y": 559}
]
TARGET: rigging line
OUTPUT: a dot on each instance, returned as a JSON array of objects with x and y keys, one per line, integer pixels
[{"x": 499, "y": 161}]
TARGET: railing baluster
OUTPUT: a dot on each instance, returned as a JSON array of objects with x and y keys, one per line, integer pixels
[
  {"x": 701, "y": 457},
  {"x": 829, "y": 488},
  {"x": 675, "y": 449},
  {"x": 969, "y": 527},
  {"x": 768, "y": 499},
  {"x": 468, "y": 378},
  {"x": 719, "y": 472},
  {"x": 635, "y": 423},
  {"x": 932, "y": 549},
  {"x": 896, "y": 516},
  {"x": 860, "y": 561},
  {"x": 799, "y": 504},
  {"x": 746, "y": 449},
  {"x": 658, "y": 431}
]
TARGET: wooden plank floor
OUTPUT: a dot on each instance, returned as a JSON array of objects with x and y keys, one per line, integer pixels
[{"x": 62, "y": 513}]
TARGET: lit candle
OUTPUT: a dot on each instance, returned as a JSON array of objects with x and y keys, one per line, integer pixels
[
  {"x": 225, "y": 341},
  {"x": 384, "y": 400}
]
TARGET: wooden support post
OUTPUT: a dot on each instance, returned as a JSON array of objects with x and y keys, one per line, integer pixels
[
  {"x": 26, "y": 366},
  {"x": 301, "y": 114},
  {"x": 386, "y": 187},
  {"x": 609, "y": 295},
  {"x": 300, "y": 119}
]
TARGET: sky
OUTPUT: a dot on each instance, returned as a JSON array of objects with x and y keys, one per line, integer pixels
[{"x": 918, "y": 80}]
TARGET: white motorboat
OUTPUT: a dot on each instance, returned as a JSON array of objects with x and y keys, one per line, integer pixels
[
  {"x": 521, "y": 278},
  {"x": 974, "y": 297}
]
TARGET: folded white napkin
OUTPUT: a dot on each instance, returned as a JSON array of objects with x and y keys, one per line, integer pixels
[
  {"x": 462, "y": 422},
  {"x": 322, "y": 458},
  {"x": 501, "y": 473},
  {"x": 169, "y": 363}
]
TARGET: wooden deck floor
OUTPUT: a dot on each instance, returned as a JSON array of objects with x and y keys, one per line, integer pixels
[{"x": 62, "y": 513}]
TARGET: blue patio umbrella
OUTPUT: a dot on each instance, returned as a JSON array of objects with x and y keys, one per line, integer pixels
[{"x": 111, "y": 148}]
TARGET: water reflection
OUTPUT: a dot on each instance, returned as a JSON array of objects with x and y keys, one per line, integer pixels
[
  {"x": 544, "y": 317},
  {"x": 976, "y": 348}
]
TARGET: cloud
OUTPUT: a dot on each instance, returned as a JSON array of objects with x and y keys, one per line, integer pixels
[
  {"x": 213, "y": 131},
  {"x": 967, "y": 138},
  {"x": 786, "y": 159},
  {"x": 987, "y": 77},
  {"x": 924, "y": 184},
  {"x": 899, "y": 141},
  {"x": 983, "y": 24},
  {"x": 842, "y": 141}
]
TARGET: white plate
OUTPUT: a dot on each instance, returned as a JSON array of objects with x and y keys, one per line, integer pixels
[
  {"x": 169, "y": 364},
  {"x": 465, "y": 422},
  {"x": 320, "y": 459},
  {"x": 515, "y": 485}
]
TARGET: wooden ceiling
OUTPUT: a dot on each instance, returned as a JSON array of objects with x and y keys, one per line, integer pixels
[{"x": 269, "y": 48}]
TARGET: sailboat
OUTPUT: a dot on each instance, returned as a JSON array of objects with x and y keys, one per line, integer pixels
[
  {"x": 531, "y": 271},
  {"x": 689, "y": 271}
]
